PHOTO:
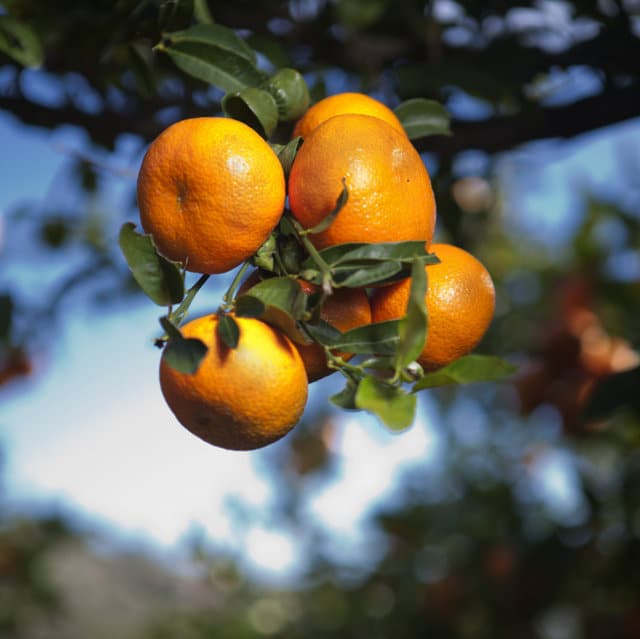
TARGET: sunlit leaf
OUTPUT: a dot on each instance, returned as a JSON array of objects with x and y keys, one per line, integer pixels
[
  {"x": 466, "y": 370},
  {"x": 391, "y": 404},
  {"x": 421, "y": 117},
  {"x": 159, "y": 278},
  {"x": 20, "y": 42}
]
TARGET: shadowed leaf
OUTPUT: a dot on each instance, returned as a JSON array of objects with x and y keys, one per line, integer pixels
[
  {"x": 413, "y": 327},
  {"x": 421, "y": 117},
  {"x": 159, "y": 278},
  {"x": 182, "y": 354}
]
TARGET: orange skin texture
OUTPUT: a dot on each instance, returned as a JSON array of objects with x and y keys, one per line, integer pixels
[
  {"x": 460, "y": 303},
  {"x": 210, "y": 190},
  {"x": 345, "y": 309},
  {"x": 242, "y": 398},
  {"x": 340, "y": 104},
  {"x": 390, "y": 194}
]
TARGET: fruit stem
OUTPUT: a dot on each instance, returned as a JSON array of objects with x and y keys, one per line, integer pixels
[
  {"x": 325, "y": 269},
  {"x": 227, "y": 298},
  {"x": 179, "y": 314},
  {"x": 335, "y": 362}
]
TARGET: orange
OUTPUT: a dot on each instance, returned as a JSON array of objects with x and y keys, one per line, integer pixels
[
  {"x": 343, "y": 103},
  {"x": 242, "y": 398},
  {"x": 210, "y": 190},
  {"x": 390, "y": 195},
  {"x": 460, "y": 303},
  {"x": 345, "y": 309}
]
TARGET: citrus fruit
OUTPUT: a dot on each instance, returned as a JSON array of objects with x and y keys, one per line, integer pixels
[
  {"x": 239, "y": 398},
  {"x": 345, "y": 309},
  {"x": 460, "y": 303},
  {"x": 210, "y": 190},
  {"x": 340, "y": 104},
  {"x": 390, "y": 196}
]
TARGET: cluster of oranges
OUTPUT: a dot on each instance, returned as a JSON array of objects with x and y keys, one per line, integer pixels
[{"x": 211, "y": 191}]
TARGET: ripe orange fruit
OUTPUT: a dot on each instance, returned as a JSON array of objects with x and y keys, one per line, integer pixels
[
  {"x": 345, "y": 309},
  {"x": 242, "y": 398},
  {"x": 210, "y": 190},
  {"x": 343, "y": 103},
  {"x": 390, "y": 195},
  {"x": 460, "y": 303}
]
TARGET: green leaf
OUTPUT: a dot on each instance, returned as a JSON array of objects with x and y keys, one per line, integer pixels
[
  {"x": 466, "y": 370},
  {"x": 391, "y": 404},
  {"x": 278, "y": 301},
  {"x": 377, "y": 273},
  {"x": 620, "y": 390},
  {"x": 346, "y": 398},
  {"x": 290, "y": 92},
  {"x": 182, "y": 354},
  {"x": 254, "y": 107},
  {"x": 360, "y": 14},
  {"x": 380, "y": 338},
  {"x": 214, "y": 54},
  {"x": 362, "y": 252},
  {"x": 323, "y": 333},
  {"x": 158, "y": 277},
  {"x": 265, "y": 256},
  {"x": 214, "y": 35},
  {"x": 413, "y": 327},
  {"x": 421, "y": 117},
  {"x": 228, "y": 330},
  {"x": 20, "y": 42},
  {"x": 328, "y": 220},
  {"x": 287, "y": 153},
  {"x": 6, "y": 316}
]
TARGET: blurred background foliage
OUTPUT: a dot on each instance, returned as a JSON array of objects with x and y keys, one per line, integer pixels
[{"x": 472, "y": 548}]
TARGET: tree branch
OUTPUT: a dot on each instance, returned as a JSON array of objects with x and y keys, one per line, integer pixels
[{"x": 502, "y": 133}]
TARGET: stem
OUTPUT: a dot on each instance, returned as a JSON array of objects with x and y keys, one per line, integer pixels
[
  {"x": 179, "y": 314},
  {"x": 227, "y": 298},
  {"x": 324, "y": 268},
  {"x": 336, "y": 362}
]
